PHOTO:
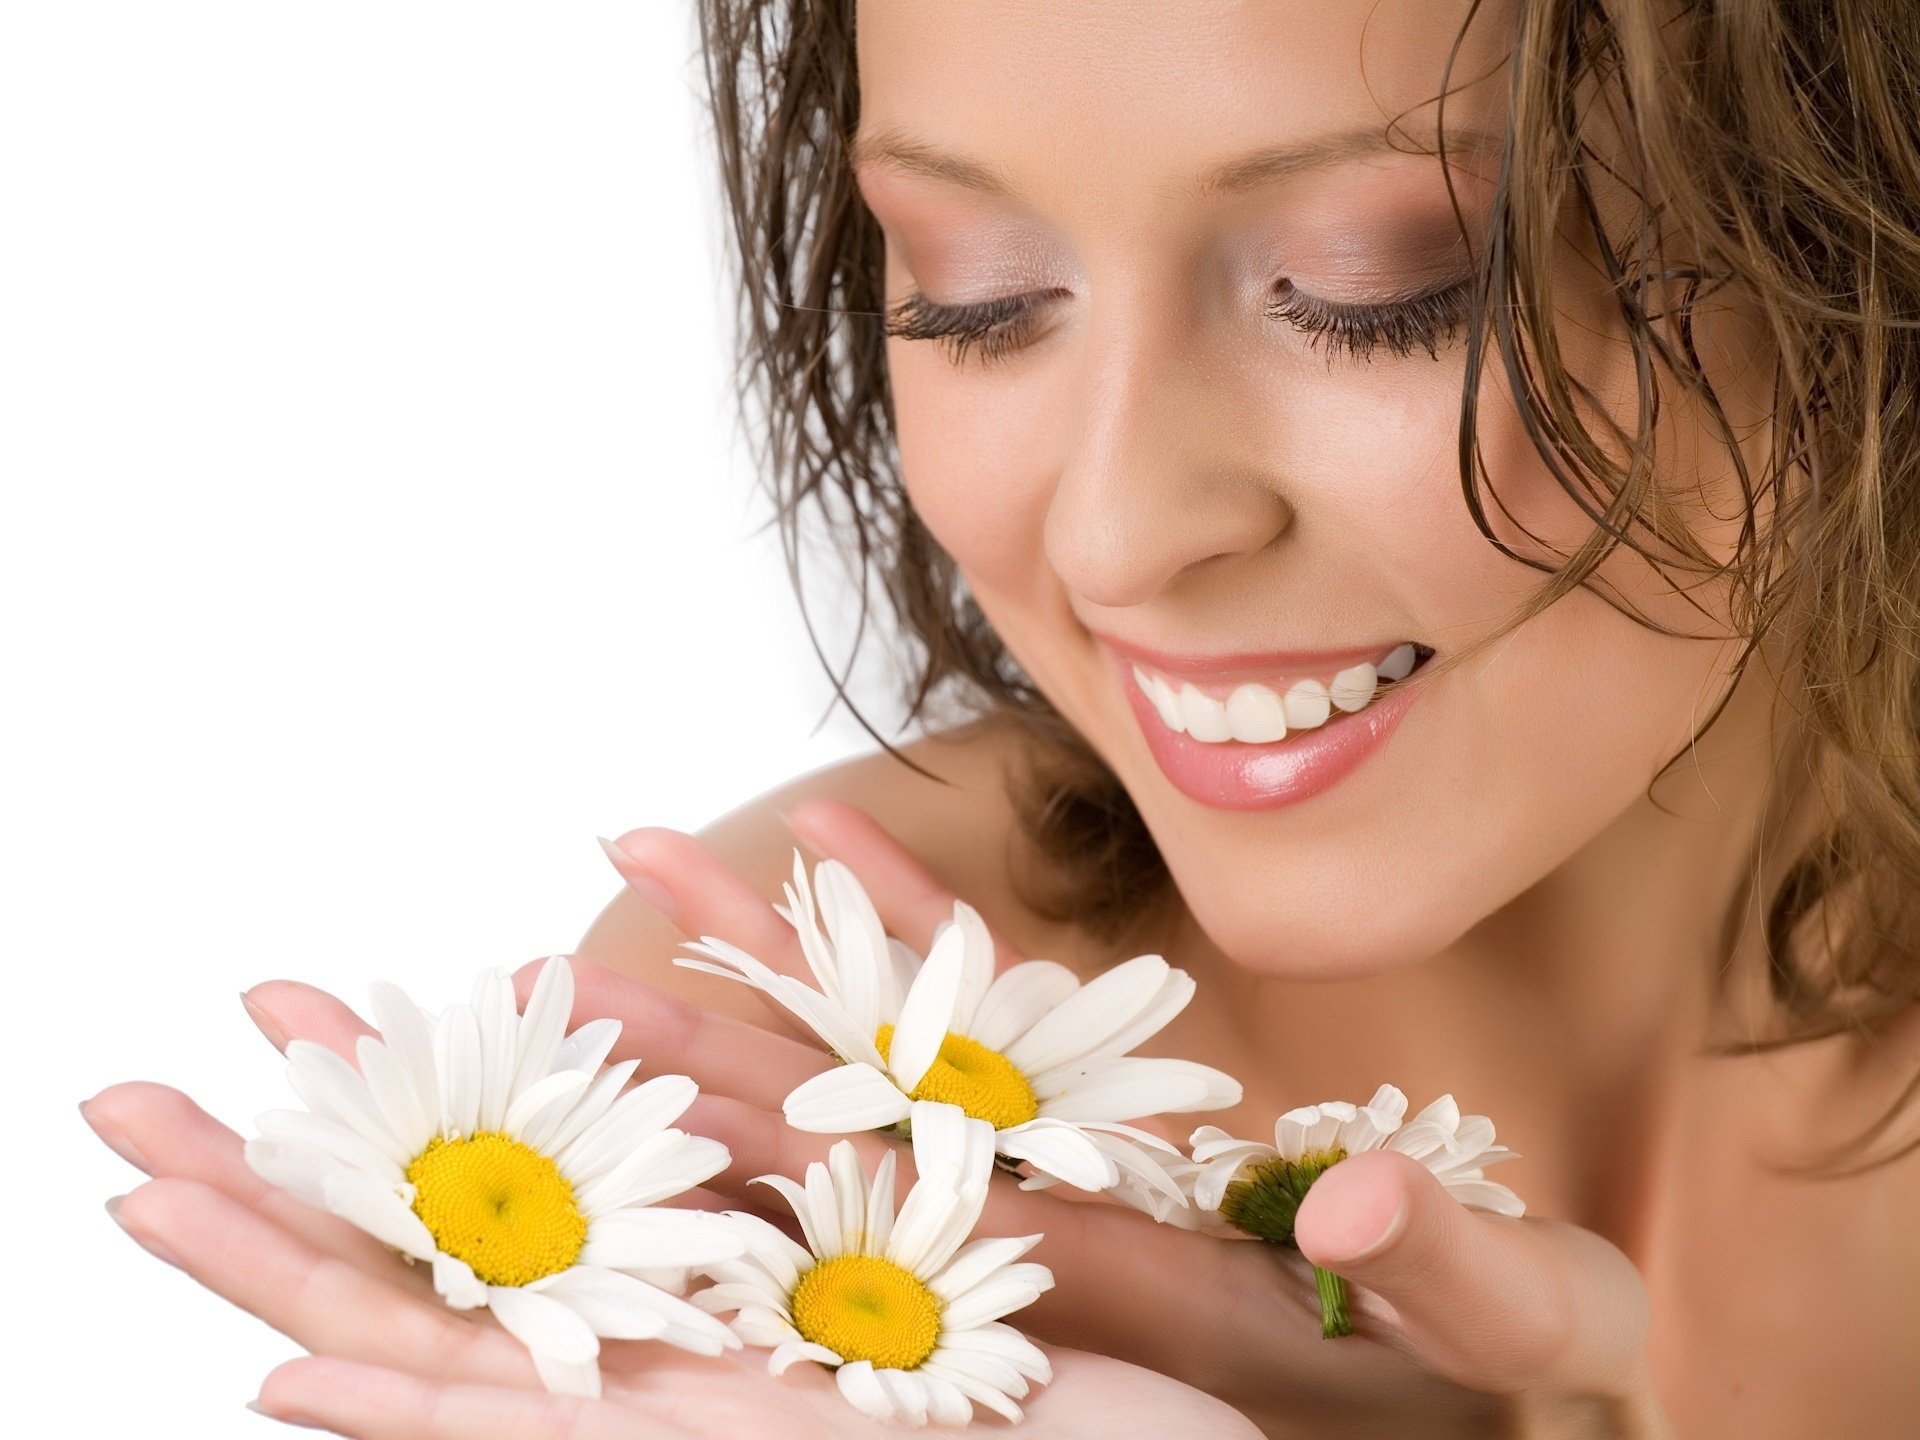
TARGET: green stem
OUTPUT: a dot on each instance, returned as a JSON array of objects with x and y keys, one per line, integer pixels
[{"x": 1333, "y": 1304}]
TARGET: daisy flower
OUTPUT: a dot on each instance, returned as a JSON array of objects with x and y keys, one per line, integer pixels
[
  {"x": 493, "y": 1147},
  {"x": 904, "y": 1308},
  {"x": 1257, "y": 1188},
  {"x": 1036, "y": 1054}
]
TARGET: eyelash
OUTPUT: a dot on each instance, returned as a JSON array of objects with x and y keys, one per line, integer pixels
[{"x": 998, "y": 327}]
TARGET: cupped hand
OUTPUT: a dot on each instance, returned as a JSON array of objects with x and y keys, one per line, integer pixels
[
  {"x": 1465, "y": 1321},
  {"x": 391, "y": 1362}
]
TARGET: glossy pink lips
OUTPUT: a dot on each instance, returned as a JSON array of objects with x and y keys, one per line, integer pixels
[{"x": 1237, "y": 776}]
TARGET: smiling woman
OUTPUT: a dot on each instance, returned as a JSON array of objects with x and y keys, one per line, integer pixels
[{"x": 1409, "y": 511}]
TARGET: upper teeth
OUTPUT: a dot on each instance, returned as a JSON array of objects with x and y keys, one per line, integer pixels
[{"x": 1258, "y": 714}]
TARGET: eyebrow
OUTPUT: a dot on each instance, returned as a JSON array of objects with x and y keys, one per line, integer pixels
[{"x": 900, "y": 151}]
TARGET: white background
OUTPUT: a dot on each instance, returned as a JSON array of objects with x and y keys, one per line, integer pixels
[{"x": 376, "y": 531}]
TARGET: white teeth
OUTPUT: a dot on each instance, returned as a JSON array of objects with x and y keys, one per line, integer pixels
[
  {"x": 1206, "y": 717},
  {"x": 1256, "y": 715},
  {"x": 1353, "y": 688},
  {"x": 1398, "y": 664},
  {"x": 1307, "y": 705},
  {"x": 1162, "y": 696}
]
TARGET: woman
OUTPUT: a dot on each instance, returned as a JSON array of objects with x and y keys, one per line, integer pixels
[{"x": 1411, "y": 511}]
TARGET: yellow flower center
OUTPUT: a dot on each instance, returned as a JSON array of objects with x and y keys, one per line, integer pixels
[
  {"x": 982, "y": 1082},
  {"x": 501, "y": 1206},
  {"x": 864, "y": 1308}
]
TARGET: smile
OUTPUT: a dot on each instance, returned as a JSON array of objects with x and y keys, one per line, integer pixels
[{"x": 1255, "y": 713}]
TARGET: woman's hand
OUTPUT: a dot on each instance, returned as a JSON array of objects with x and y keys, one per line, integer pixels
[
  {"x": 1464, "y": 1321},
  {"x": 391, "y": 1362}
]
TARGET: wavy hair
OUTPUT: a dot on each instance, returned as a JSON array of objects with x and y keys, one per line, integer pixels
[{"x": 1774, "y": 144}]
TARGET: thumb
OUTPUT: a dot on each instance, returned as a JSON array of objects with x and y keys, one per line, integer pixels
[{"x": 1489, "y": 1301}]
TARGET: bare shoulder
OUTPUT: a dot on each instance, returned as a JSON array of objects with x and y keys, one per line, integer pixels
[{"x": 956, "y": 817}]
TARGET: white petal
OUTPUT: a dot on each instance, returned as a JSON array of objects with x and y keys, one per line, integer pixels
[
  {"x": 771, "y": 1248},
  {"x": 563, "y": 1378},
  {"x": 391, "y": 1085},
  {"x": 863, "y": 1390},
  {"x": 379, "y": 1212},
  {"x": 845, "y": 1100},
  {"x": 499, "y": 1044},
  {"x": 330, "y": 1138},
  {"x": 333, "y": 1088},
  {"x": 909, "y": 1399},
  {"x": 976, "y": 974},
  {"x": 790, "y": 1352},
  {"x": 1008, "y": 1290},
  {"x": 823, "y": 1203},
  {"x": 1125, "y": 1088},
  {"x": 976, "y": 1260},
  {"x": 795, "y": 1194},
  {"x": 1486, "y": 1195},
  {"x": 819, "y": 1014},
  {"x": 1001, "y": 1341},
  {"x": 409, "y": 1039},
  {"x": 654, "y": 1173},
  {"x": 455, "y": 1282},
  {"x": 849, "y": 1178},
  {"x": 951, "y": 1148},
  {"x": 298, "y": 1169},
  {"x": 1017, "y": 999},
  {"x": 946, "y": 1405},
  {"x": 859, "y": 945},
  {"x": 588, "y": 1047},
  {"x": 928, "y": 1014},
  {"x": 760, "y": 1326},
  {"x": 544, "y": 1325},
  {"x": 1060, "y": 1150},
  {"x": 623, "y": 1308},
  {"x": 562, "y": 1088},
  {"x": 544, "y": 1025},
  {"x": 641, "y": 1239},
  {"x": 456, "y": 1049},
  {"x": 646, "y": 1110},
  {"x": 1081, "y": 1025},
  {"x": 553, "y": 1132},
  {"x": 878, "y": 1227},
  {"x": 975, "y": 1389},
  {"x": 932, "y": 1224}
]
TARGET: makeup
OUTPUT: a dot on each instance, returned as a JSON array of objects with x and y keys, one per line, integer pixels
[{"x": 1242, "y": 776}]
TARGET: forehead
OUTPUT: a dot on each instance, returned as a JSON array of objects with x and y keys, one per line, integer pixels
[{"x": 1176, "y": 96}]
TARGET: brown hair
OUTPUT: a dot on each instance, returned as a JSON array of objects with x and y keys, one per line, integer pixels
[{"x": 1774, "y": 144}]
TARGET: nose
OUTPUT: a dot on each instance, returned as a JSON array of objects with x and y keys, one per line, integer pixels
[{"x": 1162, "y": 472}]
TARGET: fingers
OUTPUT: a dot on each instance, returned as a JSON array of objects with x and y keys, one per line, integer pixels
[
  {"x": 164, "y": 1133},
  {"x": 291, "y": 1010},
  {"x": 370, "y": 1402},
  {"x": 671, "y": 1036},
  {"x": 323, "y": 1303},
  {"x": 1489, "y": 1301},
  {"x": 911, "y": 901},
  {"x": 676, "y": 873}
]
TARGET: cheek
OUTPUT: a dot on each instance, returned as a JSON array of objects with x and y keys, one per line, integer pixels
[{"x": 970, "y": 454}]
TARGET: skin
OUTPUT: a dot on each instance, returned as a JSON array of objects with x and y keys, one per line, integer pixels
[{"x": 1493, "y": 906}]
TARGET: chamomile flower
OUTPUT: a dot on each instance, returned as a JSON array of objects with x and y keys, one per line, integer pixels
[
  {"x": 494, "y": 1147},
  {"x": 1032, "y": 1051},
  {"x": 1257, "y": 1188},
  {"x": 903, "y": 1307}
]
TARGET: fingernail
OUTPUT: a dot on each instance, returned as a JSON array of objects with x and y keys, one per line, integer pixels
[
  {"x": 639, "y": 881},
  {"x": 152, "y": 1247},
  {"x": 284, "y": 1418},
  {"x": 114, "y": 1140},
  {"x": 269, "y": 1026}
]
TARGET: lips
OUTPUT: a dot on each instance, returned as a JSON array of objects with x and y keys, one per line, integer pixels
[{"x": 1229, "y": 739}]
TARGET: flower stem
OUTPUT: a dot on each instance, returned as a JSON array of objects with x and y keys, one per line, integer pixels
[{"x": 1333, "y": 1304}]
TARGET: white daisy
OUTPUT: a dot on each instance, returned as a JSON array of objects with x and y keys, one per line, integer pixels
[
  {"x": 904, "y": 1308},
  {"x": 494, "y": 1147},
  {"x": 1257, "y": 1188},
  {"x": 1033, "y": 1052}
]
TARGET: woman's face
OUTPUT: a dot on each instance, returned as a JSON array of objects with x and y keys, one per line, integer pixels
[{"x": 1151, "y": 460}]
